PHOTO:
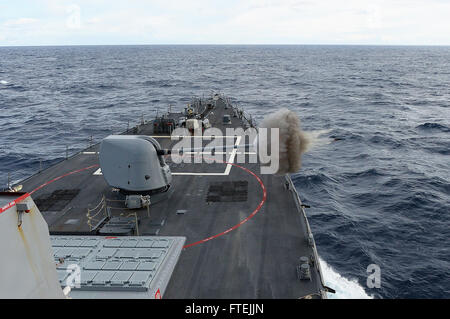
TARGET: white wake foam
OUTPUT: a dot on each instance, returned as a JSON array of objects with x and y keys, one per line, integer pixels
[
  {"x": 4, "y": 82},
  {"x": 345, "y": 288}
]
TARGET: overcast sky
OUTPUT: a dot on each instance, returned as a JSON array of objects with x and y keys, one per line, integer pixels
[{"x": 74, "y": 22}]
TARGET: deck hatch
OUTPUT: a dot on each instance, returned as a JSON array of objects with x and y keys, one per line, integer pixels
[
  {"x": 228, "y": 191},
  {"x": 87, "y": 277},
  {"x": 112, "y": 265},
  {"x": 129, "y": 265},
  {"x": 121, "y": 278},
  {"x": 103, "y": 277},
  {"x": 57, "y": 200}
]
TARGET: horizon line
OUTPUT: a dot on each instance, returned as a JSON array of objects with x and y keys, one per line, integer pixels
[{"x": 231, "y": 44}]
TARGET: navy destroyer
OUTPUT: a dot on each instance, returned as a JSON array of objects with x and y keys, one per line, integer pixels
[{"x": 138, "y": 215}]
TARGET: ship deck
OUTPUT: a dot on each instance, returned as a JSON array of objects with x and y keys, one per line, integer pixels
[{"x": 245, "y": 232}]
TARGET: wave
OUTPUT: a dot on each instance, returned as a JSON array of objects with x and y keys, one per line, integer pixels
[
  {"x": 345, "y": 288},
  {"x": 433, "y": 127},
  {"x": 158, "y": 83},
  {"x": 104, "y": 86},
  {"x": 300, "y": 84},
  {"x": 88, "y": 88},
  {"x": 366, "y": 174},
  {"x": 11, "y": 86},
  {"x": 383, "y": 141},
  {"x": 314, "y": 179}
]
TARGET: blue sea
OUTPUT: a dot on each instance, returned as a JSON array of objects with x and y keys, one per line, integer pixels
[{"x": 377, "y": 181}]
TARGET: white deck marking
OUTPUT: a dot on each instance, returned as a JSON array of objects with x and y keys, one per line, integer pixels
[
  {"x": 89, "y": 153},
  {"x": 232, "y": 156},
  {"x": 227, "y": 169}
]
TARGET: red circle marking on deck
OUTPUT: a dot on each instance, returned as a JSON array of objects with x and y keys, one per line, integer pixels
[
  {"x": 257, "y": 209},
  {"x": 62, "y": 176},
  {"x": 14, "y": 202}
]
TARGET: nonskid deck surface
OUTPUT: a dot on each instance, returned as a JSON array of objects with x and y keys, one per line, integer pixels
[{"x": 244, "y": 231}]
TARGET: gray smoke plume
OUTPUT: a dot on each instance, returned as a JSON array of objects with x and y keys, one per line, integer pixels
[{"x": 293, "y": 142}]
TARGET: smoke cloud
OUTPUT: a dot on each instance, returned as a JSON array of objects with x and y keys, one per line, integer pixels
[{"x": 292, "y": 141}]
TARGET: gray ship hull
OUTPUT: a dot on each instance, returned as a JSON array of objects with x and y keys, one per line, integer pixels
[{"x": 245, "y": 232}]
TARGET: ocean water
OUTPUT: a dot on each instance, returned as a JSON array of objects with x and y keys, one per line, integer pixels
[{"x": 377, "y": 180}]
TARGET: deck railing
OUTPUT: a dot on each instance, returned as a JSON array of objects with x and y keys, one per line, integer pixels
[
  {"x": 97, "y": 214},
  {"x": 310, "y": 237}
]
